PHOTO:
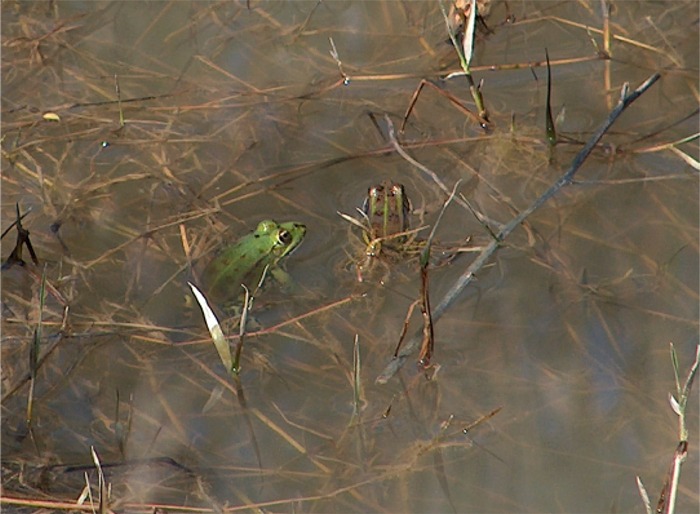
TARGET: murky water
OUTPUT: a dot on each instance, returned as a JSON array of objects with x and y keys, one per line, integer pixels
[{"x": 234, "y": 113}]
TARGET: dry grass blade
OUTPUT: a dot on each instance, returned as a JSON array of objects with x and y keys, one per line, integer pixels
[
  {"x": 453, "y": 99},
  {"x": 404, "y": 328},
  {"x": 310, "y": 314},
  {"x": 119, "y": 101},
  {"x": 607, "y": 51},
  {"x": 247, "y": 306},
  {"x": 240, "y": 396},
  {"x": 103, "y": 487},
  {"x": 23, "y": 240},
  {"x": 645, "y": 496},
  {"x": 463, "y": 431},
  {"x": 336, "y": 58},
  {"x": 289, "y": 439},
  {"x": 550, "y": 129},
  {"x": 352, "y": 220},
  {"x": 428, "y": 343}
]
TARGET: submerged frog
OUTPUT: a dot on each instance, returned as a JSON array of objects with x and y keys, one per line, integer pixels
[
  {"x": 387, "y": 232},
  {"x": 245, "y": 261},
  {"x": 386, "y": 227},
  {"x": 387, "y": 208}
]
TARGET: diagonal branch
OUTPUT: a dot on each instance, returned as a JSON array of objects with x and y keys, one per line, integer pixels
[{"x": 466, "y": 278}]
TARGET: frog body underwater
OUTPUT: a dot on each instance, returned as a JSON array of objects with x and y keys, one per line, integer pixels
[
  {"x": 387, "y": 233},
  {"x": 385, "y": 227},
  {"x": 387, "y": 208}
]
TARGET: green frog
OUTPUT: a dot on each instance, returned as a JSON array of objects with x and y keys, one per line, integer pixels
[{"x": 255, "y": 254}]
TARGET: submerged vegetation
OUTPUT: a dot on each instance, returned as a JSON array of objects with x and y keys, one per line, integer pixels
[{"x": 555, "y": 143}]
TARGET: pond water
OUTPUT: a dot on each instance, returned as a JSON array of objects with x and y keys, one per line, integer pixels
[{"x": 144, "y": 136}]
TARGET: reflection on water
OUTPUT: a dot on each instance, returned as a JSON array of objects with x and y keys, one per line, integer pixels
[{"x": 234, "y": 113}]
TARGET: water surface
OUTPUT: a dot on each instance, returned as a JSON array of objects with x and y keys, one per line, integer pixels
[{"x": 234, "y": 113}]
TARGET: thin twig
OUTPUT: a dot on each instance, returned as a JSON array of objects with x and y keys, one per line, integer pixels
[{"x": 424, "y": 169}]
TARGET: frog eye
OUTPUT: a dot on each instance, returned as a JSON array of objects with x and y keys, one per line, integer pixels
[
  {"x": 284, "y": 237},
  {"x": 396, "y": 189}
]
